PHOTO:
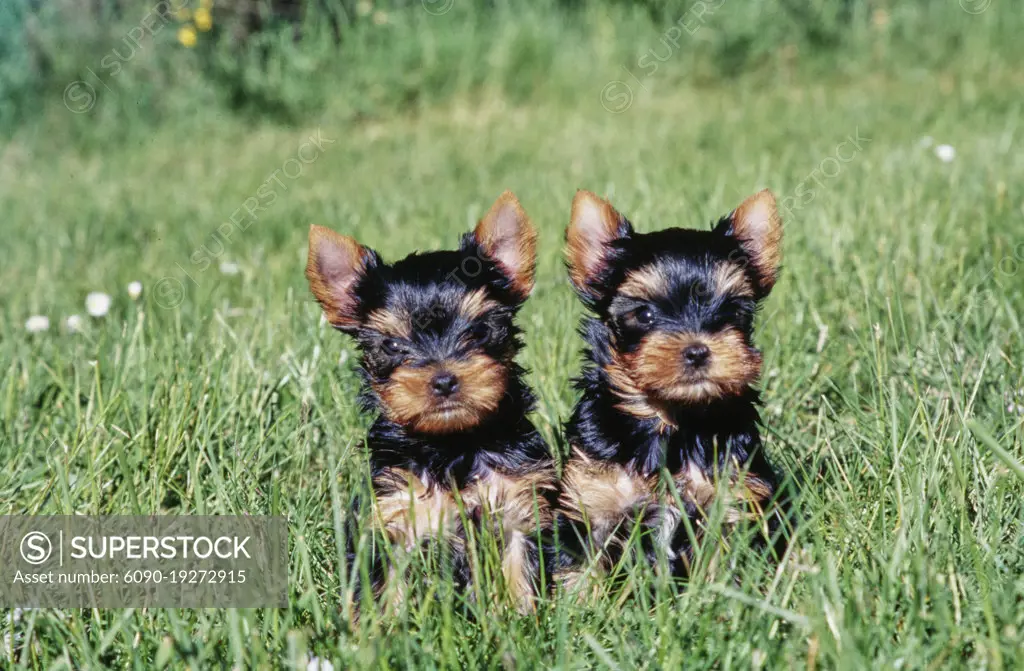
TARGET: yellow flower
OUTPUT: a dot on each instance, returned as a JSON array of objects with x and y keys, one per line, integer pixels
[
  {"x": 187, "y": 36},
  {"x": 203, "y": 19}
]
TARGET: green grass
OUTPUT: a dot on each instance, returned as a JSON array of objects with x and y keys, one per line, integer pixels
[{"x": 893, "y": 380}]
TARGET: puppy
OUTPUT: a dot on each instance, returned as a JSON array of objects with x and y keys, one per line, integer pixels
[
  {"x": 452, "y": 451},
  {"x": 667, "y": 384}
]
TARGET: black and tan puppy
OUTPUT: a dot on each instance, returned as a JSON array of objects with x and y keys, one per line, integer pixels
[
  {"x": 667, "y": 385},
  {"x": 452, "y": 451}
]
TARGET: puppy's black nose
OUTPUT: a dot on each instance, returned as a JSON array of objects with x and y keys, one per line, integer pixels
[
  {"x": 444, "y": 384},
  {"x": 696, "y": 355}
]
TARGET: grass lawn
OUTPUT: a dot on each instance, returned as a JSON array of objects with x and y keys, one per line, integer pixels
[{"x": 893, "y": 384}]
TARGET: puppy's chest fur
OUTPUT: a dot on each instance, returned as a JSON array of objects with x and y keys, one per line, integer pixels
[
  {"x": 412, "y": 509},
  {"x": 610, "y": 498}
]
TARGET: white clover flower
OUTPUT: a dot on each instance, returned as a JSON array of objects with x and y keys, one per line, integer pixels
[
  {"x": 229, "y": 268},
  {"x": 73, "y": 324},
  {"x": 37, "y": 324},
  {"x": 97, "y": 304},
  {"x": 135, "y": 290},
  {"x": 945, "y": 152},
  {"x": 317, "y": 664}
]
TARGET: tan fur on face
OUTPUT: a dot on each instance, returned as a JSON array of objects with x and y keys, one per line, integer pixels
[
  {"x": 390, "y": 324},
  {"x": 758, "y": 227},
  {"x": 476, "y": 304},
  {"x": 334, "y": 267},
  {"x": 646, "y": 283},
  {"x": 510, "y": 240},
  {"x": 633, "y": 399},
  {"x": 408, "y": 400},
  {"x": 656, "y": 367},
  {"x": 731, "y": 280},
  {"x": 593, "y": 225}
]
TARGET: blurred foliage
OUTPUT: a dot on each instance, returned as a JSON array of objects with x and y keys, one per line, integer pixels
[{"x": 285, "y": 58}]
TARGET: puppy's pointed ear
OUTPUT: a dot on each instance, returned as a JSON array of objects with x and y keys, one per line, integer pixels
[
  {"x": 336, "y": 264},
  {"x": 594, "y": 227},
  {"x": 757, "y": 226},
  {"x": 507, "y": 237}
]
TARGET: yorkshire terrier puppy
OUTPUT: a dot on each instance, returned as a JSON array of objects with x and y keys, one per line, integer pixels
[
  {"x": 667, "y": 384},
  {"x": 452, "y": 452}
]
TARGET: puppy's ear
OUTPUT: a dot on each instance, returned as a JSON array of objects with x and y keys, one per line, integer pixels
[
  {"x": 507, "y": 237},
  {"x": 594, "y": 227},
  {"x": 757, "y": 226},
  {"x": 336, "y": 264}
]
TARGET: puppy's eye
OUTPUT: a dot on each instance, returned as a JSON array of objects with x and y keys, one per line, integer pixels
[
  {"x": 479, "y": 333},
  {"x": 643, "y": 316},
  {"x": 393, "y": 347}
]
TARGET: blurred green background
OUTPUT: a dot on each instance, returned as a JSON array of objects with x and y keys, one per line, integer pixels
[{"x": 117, "y": 63}]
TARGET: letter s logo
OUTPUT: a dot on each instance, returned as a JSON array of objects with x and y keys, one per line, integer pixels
[{"x": 36, "y": 547}]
